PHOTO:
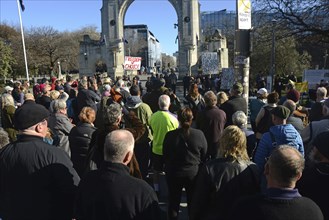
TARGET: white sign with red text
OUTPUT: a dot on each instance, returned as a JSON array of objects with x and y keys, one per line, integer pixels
[{"x": 132, "y": 63}]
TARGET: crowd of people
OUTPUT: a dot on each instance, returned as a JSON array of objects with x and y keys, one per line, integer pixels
[{"x": 96, "y": 148}]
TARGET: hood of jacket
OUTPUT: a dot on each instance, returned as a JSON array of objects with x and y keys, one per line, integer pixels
[
  {"x": 285, "y": 134},
  {"x": 133, "y": 102}
]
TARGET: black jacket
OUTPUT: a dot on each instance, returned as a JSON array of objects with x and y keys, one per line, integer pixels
[
  {"x": 211, "y": 121},
  {"x": 183, "y": 157},
  {"x": 111, "y": 193},
  {"x": 314, "y": 185},
  {"x": 44, "y": 100},
  {"x": 152, "y": 99},
  {"x": 37, "y": 181},
  {"x": 79, "y": 138},
  {"x": 235, "y": 103},
  {"x": 88, "y": 98},
  {"x": 219, "y": 184},
  {"x": 264, "y": 207}
]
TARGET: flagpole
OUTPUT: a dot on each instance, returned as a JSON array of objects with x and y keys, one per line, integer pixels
[{"x": 23, "y": 41}]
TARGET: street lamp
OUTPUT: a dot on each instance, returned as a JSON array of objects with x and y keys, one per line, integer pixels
[
  {"x": 273, "y": 54},
  {"x": 59, "y": 69}
]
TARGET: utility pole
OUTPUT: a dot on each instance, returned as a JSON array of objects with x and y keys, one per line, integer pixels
[
  {"x": 325, "y": 59},
  {"x": 242, "y": 44},
  {"x": 273, "y": 55}
]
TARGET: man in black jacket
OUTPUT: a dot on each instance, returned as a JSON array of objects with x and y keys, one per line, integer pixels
[
  {"x": 281, "y": 200},
  {"x": 86, "y": 97},
  {"x": 211, "y": 122},
  {"x": 37, "y": 180},
  {"x": 110, "y": 192},
  {"x": 235, "y": 103}
]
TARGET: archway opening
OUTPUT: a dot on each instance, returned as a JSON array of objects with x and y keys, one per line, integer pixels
[{"x": 149, "y": 36}]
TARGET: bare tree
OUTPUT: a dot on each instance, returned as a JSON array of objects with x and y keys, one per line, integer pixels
[
  {"x": 43, "y": 45},
  {"x": 306, "y": 19}
]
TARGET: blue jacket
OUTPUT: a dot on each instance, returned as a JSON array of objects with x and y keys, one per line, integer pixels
[{"x": 283, "y": 134}]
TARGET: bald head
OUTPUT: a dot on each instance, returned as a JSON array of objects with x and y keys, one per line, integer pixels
[
  {"x": 284, "y": 167},
  {"x": 119, "y": 146}
]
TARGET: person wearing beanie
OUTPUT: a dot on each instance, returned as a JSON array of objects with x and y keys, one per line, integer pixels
[
  {"x": 37, "y": 180},
  {"x": 292, "y": 119}
]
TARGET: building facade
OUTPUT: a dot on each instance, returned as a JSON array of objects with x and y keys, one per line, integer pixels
[{"x": 141, "y": 42}]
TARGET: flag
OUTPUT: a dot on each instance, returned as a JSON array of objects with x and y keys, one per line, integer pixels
[
  {"x": 176, "y": 39},
  {"x": 197, "y": 39},
  {"x": 22, "y": 5}
]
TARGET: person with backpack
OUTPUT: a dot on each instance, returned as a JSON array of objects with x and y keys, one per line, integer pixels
[
  {"x": 264, "y": 120},
  {"x": 142, "y": 149},
  {"x": 235, "y": 103},
  {"x": 255, "y": 106},
  {"x": 280, "y": 133}
]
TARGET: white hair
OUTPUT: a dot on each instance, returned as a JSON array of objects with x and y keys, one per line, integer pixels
[
  {"x": 239, "y": 119},
  {"x": 321, "y": 91},
  {"x": 164, "y": 102},
  {"x": 58, "y": 104}
]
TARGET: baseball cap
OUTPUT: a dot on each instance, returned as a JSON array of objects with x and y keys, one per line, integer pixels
[
  {"x": 8, "y": 88},
  {"x": 262, "y": 91}
]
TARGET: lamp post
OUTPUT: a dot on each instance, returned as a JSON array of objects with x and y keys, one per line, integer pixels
[
  {"x": 325, "y": 59},
  {"x": 273, "y": 55},
  {"x": 59, "y": 70}
]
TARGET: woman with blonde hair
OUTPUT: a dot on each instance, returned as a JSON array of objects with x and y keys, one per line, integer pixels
[
  {"x": 225, "y": 179},
  {"x": 7, "y": 115},
  {"x": 80, "y": 137},
  {"x": 54, "y": 94}
]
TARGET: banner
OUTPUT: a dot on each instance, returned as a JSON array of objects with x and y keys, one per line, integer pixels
[
  {"x": 301, "y": 87},
  {"x": 244, "y": 14},
  {"x": 227, "y": 79},
  {"x": 210, "y": 64},
  {"x": 132, "y": 63}
]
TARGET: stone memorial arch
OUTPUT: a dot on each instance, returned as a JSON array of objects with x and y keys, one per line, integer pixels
[{"x": 112, "y": 32}]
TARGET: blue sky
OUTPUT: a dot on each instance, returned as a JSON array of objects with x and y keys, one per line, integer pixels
[{"x": 71, "y": 15}]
